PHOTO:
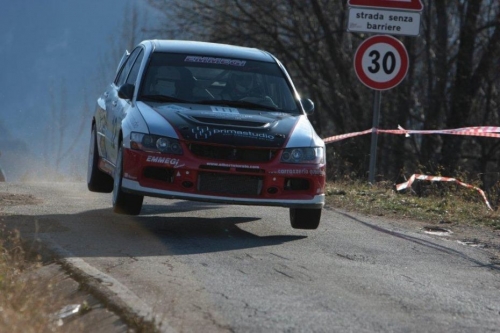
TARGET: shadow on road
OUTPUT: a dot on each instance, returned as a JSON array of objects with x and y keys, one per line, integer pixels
[
  {"x": 102, "y": 233},
  {"x": 176, "y": 207}
]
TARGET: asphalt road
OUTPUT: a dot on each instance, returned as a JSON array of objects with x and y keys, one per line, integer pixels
[{"x": 213, "y": 268}]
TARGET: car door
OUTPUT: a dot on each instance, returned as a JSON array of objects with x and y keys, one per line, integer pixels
[
  {"x": 115, "y": 107},
  {"x": 100, "y": 120}
]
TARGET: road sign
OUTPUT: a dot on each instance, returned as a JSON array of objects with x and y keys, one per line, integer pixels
[
  {"x": 415, "y": 5},
  {"x": 393, "y": 22},
  {"x": 381, "y": 62}
]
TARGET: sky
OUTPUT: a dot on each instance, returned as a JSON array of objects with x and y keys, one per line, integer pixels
[
  {"x": 51, "y": 41},
  {"x": 50, "y": 47}
]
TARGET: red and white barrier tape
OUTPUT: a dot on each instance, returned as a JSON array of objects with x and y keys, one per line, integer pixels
[
  {"x": 407, "y": 184},
  {"x": 486, "y": 131},
  {"x": 345, "y": 136}
]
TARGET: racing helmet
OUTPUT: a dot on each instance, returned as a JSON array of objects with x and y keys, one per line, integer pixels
[{"x": 243, "y": 82}]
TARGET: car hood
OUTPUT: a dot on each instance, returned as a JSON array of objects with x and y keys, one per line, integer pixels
[{"x": 229, "y": 125}]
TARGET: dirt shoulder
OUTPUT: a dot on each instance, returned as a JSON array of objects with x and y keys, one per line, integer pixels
[{"x": 43, "y": 295}]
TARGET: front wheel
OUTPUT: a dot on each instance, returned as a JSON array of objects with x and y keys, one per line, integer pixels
[
  {"x": 124, "y": 203},
  {"x": 305, "y": 218}
]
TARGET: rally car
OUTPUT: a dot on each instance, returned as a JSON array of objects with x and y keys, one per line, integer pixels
[{"x": 206, "y": 122}]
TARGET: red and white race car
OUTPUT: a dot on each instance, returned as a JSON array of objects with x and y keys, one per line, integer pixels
[{"x": 206, "y": 122}]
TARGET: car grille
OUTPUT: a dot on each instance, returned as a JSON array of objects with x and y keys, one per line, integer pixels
[
  {"x": 229, "y": 184},
  {"x": 231, "y": 153},
  {"x": 163, "y": 174}
]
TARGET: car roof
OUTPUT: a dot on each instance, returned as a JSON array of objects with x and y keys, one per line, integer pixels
[{"x": 210, "y": 49}]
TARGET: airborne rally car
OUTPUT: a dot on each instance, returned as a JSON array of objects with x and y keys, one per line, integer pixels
[{"x": 206, "y": 122}]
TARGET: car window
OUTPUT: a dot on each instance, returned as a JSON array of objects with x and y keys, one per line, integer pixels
[
  {"x": 132, "y": 77},
  {"x": 122, "y": 76},
  {"x": 194, "y": 78}
]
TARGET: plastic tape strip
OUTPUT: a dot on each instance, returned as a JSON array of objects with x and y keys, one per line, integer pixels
[{"x": 410, "y": 181}]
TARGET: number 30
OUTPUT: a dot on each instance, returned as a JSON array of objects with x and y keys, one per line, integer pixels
[{"x": 388, "y": 62}]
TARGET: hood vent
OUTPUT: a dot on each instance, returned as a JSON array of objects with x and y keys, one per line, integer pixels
[{"x": 230, "y": 122}]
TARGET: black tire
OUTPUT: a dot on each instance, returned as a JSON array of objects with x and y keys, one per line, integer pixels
[
  {"x": 124, "y": 203},
  {"x": 97, "y": 180},
  {"x": 304, "y": 218}
]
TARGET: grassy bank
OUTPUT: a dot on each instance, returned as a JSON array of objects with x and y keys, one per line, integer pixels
[
  {"x": 425, "y": 201},
  {"x": 25, "y": 303}
]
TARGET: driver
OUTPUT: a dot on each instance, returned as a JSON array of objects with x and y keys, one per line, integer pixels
[{"x": 239, "y": 86}]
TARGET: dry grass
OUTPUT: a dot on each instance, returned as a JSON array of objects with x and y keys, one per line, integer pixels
[
  {"x": 26, "y": 304},
  {"x": 428, "y": 202}
]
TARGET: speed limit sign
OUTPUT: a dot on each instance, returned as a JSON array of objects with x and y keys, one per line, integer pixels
[{"x": 381, "y": 62}]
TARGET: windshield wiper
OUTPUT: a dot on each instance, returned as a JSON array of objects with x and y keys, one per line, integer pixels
[
  {"x": 243, "y": 104},
  {"x": 162, "y": 98}
]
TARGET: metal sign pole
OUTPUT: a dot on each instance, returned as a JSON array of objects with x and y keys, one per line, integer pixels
[
  {"x": 381, "y": 52},
  {"x": 373, "y": 151}
]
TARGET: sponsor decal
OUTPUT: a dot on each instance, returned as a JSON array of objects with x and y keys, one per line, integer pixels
[
  {"x": 218, "y": 61},
  {"x": 234, "y": 116},
  {"x": 224, "y": 109},
  {"x": 201, "y": 132},
  {"x": 228, "y": 165},
  {"x": 172, "y": 107},
  {"x": 280, "y": 114},
  {"x": 134, "y": 122},
  {"x": 304, "y": 171},
  {"x": 206, "y": 132},
  {"x": 164, "y": 160},
  {"x": 127, "y": 175},
  {"x": 247, "y": 134},
  {"x": 290, "y": 172}
]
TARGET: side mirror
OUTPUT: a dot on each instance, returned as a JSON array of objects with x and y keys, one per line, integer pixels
[
  {"x": 126, "y": 91},
  {"x": 308, "y": 106}
]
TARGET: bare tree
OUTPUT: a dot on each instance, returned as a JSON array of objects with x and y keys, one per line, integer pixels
[
  {"x": 133, "y": 30},
  {"x": 452, "y": 82},
  {"x": 308, "y": 36},
  {"x": 64, "y": 152}
]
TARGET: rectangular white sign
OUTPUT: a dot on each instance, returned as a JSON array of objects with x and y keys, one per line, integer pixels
[{"x": 381, "y": 21}]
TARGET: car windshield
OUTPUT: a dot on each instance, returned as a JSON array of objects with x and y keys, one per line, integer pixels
[{"x": 172, "y": 77}]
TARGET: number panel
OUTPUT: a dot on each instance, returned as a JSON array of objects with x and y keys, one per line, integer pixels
[{"x": 381, "y": 62}]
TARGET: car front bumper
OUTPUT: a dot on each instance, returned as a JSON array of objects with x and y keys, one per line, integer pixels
[
  {"x": 131, "y": 186},
  {"x": 188, "y": 177}
]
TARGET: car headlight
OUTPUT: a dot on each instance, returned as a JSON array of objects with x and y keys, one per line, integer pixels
[
  {"x": 156, "y": 143},
  {"x": 312, "y": 155}
]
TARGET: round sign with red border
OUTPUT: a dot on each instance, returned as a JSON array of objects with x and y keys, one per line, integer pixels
[{"x": 381, "y": 62}]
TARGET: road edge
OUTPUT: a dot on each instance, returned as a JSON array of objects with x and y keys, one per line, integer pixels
[{"x": 117, "y": 297}]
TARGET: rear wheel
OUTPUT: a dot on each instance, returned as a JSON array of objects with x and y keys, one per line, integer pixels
[
  {"x": 305, "y": 218},
  {"x": 97, "y": 181},
  {"x": 124, "y": 203}
]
